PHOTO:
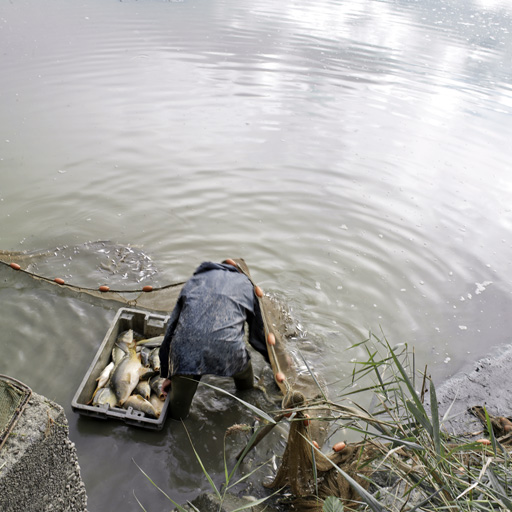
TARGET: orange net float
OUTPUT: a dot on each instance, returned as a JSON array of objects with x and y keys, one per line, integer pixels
[
  {"x": 280, "y": 377},
  {"x": 339, "y": 446},
  {"x": 231, "y": 262},
  {"x": 15, "y": 266},
  {"x": 316, "y": 445},
  {"x": 59, "y": 280},
  {"x": 103, "y": 288},
  {"x": 271, "y": 339},
  {"x": 258, "y": 291},
  {"x": 306, "y": 420},
  {"x": 147, "y": 288}
]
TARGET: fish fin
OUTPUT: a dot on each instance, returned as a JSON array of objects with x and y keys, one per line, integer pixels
[{"x": 92, "y": 397}]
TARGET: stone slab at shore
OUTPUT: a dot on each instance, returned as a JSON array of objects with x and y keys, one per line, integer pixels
[{"x": 39, "y": 469}]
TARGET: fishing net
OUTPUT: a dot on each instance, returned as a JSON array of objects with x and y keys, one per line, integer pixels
[
  {"x": 109, "y": 262},
  {"x": 13, "y": 397},
  {"x": 302, "y": 389}
]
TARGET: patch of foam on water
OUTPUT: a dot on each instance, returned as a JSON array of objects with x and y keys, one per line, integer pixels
[{"x": 480, "y": 287}]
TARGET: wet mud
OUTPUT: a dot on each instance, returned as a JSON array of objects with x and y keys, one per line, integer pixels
[{"x": 486, "y": 383}]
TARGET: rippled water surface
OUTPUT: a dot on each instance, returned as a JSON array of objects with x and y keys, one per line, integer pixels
[{"x": 355, "y": 153}]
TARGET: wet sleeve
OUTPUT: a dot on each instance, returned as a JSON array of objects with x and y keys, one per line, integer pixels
[
  {"x": 165, "y": 347},
  {"x": 257, "y": 331}
]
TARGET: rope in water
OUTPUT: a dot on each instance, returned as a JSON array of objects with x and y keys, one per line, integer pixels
[{"x": 103, "y": 288}]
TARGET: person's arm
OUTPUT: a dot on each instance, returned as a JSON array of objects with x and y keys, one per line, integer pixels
[
  {"x": 257, "y": 331},
  {"x": 165, "y": 347}
]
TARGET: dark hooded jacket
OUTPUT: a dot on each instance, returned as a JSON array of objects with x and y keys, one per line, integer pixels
[{"x": 205, "y": 334}]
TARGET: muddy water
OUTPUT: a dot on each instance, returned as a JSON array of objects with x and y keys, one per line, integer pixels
[{"x": 356, "y": 154}]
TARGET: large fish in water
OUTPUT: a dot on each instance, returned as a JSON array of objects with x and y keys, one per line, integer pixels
[{"x": 125, "y": 376}]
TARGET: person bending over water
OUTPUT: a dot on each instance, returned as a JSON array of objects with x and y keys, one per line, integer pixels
[{"x": 205, "y": 334}]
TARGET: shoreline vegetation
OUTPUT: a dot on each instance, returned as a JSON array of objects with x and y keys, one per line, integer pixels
[{"x": 404, "y": 460}]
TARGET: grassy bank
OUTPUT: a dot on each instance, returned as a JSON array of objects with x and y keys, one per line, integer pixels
[{"x": 403, "y": 459}]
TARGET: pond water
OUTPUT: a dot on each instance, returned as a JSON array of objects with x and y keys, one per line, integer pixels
[{"x": 355, "y": 153}]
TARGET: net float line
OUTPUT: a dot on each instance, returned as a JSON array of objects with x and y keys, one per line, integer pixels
[
  {"x": 279, "y": 375},
  {"x": 103, "y": 288},
  {"x": 158, "y": 299}
]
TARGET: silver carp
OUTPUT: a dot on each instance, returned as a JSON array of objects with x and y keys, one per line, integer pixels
[
  {"x": 105, "y": 375},
  {"x": 156, "y": 384},
  {"x": 103, "y": 379},
  {"x": 154, "y": 359},
  {"x": 105, "y": 395},
  {"x": 125, "y": 376},
  {"x": 117, "y": 354},
  {"x": 125, "y": 339},
  {"x": 157, "y": 403},
  {"x": 141, "y": 404},
  {"x": 151, "y": 342},
  {"x": 143, "y": 389},
  {"x": 146, "y": 373},
  {"x": 145, "y": 353}
]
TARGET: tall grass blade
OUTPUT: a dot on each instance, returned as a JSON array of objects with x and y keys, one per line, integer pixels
[
  {"x": 420, "y": 418},
  {"x": 447, "y": 413},
  {"x": 413, "y": 368},
  {"x": 314, "y": 377},
  {"x": 477, "y": 481},
  {"x": 140, "y": 504},
  {"x": 177, "y": 505},
  {"x": 408, "y": 383},
  {"x": 315, "y": 472},
  {"x": 251, "y": 407},
  {"x": 435, "y": 419},
  {"x": 248, "y": 446},
  {"x": 375, "y": 366},
  {"x": 500, "y": 491},
  {"x": 490, "y": 430},
  {"x": 206, "y": 474},
  {"x": 247, "y": 475},
  {"x": 426, "y": 500},
  {"x": 364, "y": 342},
  {"x": 467, "y": 447},
  {"x": 365, "y": 495},
  {"x": 226, "y": 475},
  {"x": 381, "y": 382}
]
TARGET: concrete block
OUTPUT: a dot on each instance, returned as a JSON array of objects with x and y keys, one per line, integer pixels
[{"x": 39, "y": 469}]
